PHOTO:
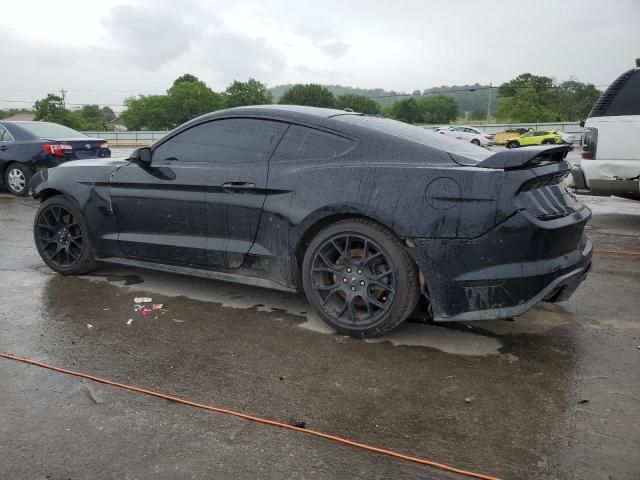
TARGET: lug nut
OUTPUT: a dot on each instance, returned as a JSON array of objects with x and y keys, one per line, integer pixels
[
  {"x": 362, "y": 282},
  {"x": 353, "y": 289},
  {"x": 344, "y": 280},
  {"x": 359, "y": 272},
  {"x": 348, "y": 270}
]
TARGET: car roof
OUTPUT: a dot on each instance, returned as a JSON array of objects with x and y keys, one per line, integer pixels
[{"x": 284, "y": 109}]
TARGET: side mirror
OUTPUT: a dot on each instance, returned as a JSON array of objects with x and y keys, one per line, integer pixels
[{"x": 141, "y": 155}]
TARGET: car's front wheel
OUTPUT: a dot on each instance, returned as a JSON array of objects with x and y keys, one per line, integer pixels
[
  {"x": 359, "y": 278},
  {"x": 17, "y": 179},
  {"x": 475, "y": 141},
  {"x": 62, "y": 238},
  {"x": 512, "y": 144}
]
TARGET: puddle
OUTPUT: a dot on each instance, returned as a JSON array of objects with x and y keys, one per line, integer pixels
[{"x": 457, "y": 342}]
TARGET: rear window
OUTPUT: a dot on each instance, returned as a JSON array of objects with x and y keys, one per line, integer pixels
[
  {"x": 50, "y": 131},
  {"x": 303, "y": 143},
  {"x": 627, "y": 100},
  {"x": 418, "y": 135}
]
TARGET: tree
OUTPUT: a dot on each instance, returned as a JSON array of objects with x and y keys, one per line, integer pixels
[
  {"x": 525, "y": 106},
  {"x": 407, "y": 110},
  {"x": 357, "y": 103},
  {"x": 527, "y": 98},
  {"x": 311, "y": 95},
  {"x": 251, "y": 92},
  {"x": 52, "y": 109},
  {"x": 479, "y": 113},
  {"x": 438, "y": 109},
  {"x": 187, "y": 77},
  {"x": 573, "y": 100},
  {"x": 187, "y": 100},
  {"x": 150, "y": 112}
]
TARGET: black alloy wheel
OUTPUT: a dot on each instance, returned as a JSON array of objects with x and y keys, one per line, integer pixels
[
  {"x": 360, "y": 280},
  {"x": 61, "y": 237}
]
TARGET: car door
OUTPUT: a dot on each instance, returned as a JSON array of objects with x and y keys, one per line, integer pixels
[
  {"x": 238, "y": 152},
  {"x": 160, "y": 208},
  {"x": 527, "y": 139}
]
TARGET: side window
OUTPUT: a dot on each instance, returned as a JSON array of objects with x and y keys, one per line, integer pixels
[
  {"x": 223, "y": 141},
  {"x": 627, "y": 100},
  {"x": 5, "y": 136},
  {"x": 528, "y": 134},
  {"x": 302, "y": 143},
  {"x": 470, "y": 130}
]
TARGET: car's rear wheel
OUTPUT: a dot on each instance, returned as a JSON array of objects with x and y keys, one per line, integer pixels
[
  {"x": 475, "y": 141},
  {"x": 512, "y": 144},
  {"x": 17, "y": 179},
  {"x": 62, "y": 238},
  {"x": 359, "y": 278}
]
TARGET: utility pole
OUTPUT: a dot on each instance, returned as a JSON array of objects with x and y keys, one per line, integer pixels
[
  {"x": 489, "y": 106},
  {"x": 64, "y": 97}
]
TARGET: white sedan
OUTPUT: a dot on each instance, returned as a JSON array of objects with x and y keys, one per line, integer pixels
[{"x": 468, "y": 134}]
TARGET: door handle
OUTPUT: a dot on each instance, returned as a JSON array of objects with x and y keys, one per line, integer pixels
[
  {"x": 4, "y": 147},
  {"x": 237, "y": 187}
]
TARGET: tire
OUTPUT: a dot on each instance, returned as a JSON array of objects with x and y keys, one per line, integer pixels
[
  {"x": 359, "y": 278},
  {"x": 16, "y": 178},
  {"x": 61, "y": 235},
  {"x": 512, "y": 144},
  {"x": 476, "y": 142}
]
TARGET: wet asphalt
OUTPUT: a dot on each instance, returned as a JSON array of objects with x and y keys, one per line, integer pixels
[{"x": 553, "y": 394}]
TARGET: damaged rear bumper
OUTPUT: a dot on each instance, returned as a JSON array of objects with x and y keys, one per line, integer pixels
[{"x": 507, "y": 271}]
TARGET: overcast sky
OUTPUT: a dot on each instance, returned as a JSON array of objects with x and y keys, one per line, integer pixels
[{"x": 103, "y": 51}]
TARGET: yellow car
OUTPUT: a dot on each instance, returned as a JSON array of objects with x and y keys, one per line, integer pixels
[{"x": 540, "y": 137}]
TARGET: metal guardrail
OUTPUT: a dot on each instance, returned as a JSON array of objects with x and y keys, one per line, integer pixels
[
  {"x": 146, "y": 137},
  {"x": 142, "y": 137}
]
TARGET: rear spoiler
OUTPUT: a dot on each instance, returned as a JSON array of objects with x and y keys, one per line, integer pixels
[
  {"x": 517, "y": 158},
  {"x": 525, "y": 157}
]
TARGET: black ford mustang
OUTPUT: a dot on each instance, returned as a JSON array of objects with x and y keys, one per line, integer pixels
[
  {"x": 365, "y": 214},
  {"x": 26, "y": 147}
]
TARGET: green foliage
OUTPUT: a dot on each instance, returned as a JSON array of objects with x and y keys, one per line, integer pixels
[
  {"x": 430, "y": 109},
  {"x": 187, "y": 77},
  {"x": 150, "y": 112},
  {"x": 52, "y": 109},
  {"x": 14, "y": 111},
  {"x": 311, "y": 95},
  {"x": 532, "y": 98},
  {"x": 479, "y": 113},
  {"x": 189, "y": 100},
  {"x": 358, "y": 103},
  {"x": 574, "y": 100},
  {"x": 250, "y": 92},
  {"x": 406, "y": 110},
  {"x": 186, "y": 99}
]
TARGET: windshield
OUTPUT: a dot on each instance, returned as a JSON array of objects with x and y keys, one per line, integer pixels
[
  {"x": 418, "y": 135},
  {"x": 51, "y": 131}
]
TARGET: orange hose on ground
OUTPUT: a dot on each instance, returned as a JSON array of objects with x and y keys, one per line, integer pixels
[{"x": 252, "y": 418}]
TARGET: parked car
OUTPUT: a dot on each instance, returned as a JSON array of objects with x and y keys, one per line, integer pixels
[
  {"x": 538, "y": 137},
  {"x": 610, "y": 150},
  {"x": 468, "y": 134},
  {"x": 366, "y": 215},
  {"x": 26, "y": 147}
]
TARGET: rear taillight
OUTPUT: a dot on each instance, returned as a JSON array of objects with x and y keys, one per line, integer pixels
[
  {"x": 56, "y": 149},
  {"x": 589, "y": 143},
  {"x": 104, "y": 145}
]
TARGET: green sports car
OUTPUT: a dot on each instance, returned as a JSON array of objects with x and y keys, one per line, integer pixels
[{"x": 540, "y": 137}]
